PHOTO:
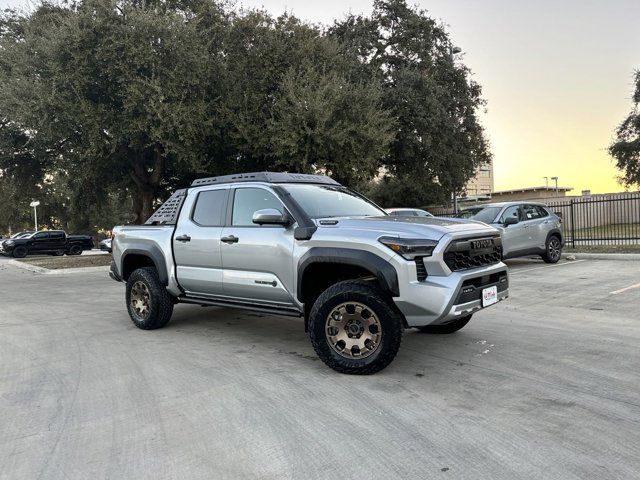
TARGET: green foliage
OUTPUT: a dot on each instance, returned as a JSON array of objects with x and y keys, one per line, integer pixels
[
  {"x": 439, "y": 141},
  {"x": 626, "y": 148},
  {"x": 106, "y": 105}
]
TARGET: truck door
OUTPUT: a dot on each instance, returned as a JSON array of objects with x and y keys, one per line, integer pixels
[
  {"x": 257, "y": 259},
  {"x": 196, "y": 242},
  {"x": 39, "y": 242}
]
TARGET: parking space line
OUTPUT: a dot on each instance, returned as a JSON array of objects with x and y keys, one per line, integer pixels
[
  {"x": 630, "y": 287},
  {"x": 546, "y": 266}
]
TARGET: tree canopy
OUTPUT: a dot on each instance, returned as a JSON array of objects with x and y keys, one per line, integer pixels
[
  {"x": 626, "y": 147},
  {"x": 107, "y": 105}
]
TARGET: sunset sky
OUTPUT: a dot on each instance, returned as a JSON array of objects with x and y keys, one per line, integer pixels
[{"x": 557, "y": 76}]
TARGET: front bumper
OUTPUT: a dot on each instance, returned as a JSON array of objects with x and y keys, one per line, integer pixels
[{"x": 441, "y": 299}]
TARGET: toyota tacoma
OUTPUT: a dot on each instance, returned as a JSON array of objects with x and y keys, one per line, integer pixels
[{"x": 305, "y": 246}]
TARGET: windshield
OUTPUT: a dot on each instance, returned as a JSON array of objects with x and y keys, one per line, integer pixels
[
  {"x": 320, "y": 201},
  {"x": 481, "y": 214}
]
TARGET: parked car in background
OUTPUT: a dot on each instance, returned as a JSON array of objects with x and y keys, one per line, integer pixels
[
  {"x": 407, "y": 212},
  {"x": 527, "y": 228},
  {"x": 26, "y": 233},
  {"x": 52, "y": 242},
  {"x": 105, "y": 245}
]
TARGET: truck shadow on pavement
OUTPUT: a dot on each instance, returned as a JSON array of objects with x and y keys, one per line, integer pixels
[{"x": 263, "y": 334}]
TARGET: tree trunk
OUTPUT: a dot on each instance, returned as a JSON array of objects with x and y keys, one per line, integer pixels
[
  {"x": 147, "y": 183},
  {"x": 143, "y": 204}
]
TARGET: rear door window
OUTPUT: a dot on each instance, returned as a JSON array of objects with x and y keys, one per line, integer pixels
[
  {"x": 210, "y": 208},
  {"x": 530, "y": 212}
]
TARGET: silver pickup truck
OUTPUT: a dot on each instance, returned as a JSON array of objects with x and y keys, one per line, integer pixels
[{"x": 305, "y": 246}]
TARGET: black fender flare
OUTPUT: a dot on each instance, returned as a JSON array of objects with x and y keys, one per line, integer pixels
[
  {"x": 556, "y": 232},
  {"x": 378, "y": 266},
  {"x": 152, "y": 252}
]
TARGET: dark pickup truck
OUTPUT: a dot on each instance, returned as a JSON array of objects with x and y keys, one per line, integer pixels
[{"x": 53, "y": 242}]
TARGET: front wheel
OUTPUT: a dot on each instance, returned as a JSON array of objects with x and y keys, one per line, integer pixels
[
  {"x": 553, "y": 250},
  {"x": 20, "y": 252},
  {"x": 354, "y": 328},
  {"x": 446, "y": 328},
  {"x": 149, "y": 304}
]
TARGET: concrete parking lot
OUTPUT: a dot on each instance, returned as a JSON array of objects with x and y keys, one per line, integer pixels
[{"x": 544, "y": 385}]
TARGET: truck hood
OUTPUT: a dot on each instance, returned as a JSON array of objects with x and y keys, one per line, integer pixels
[{"x": 432, "y": 228}]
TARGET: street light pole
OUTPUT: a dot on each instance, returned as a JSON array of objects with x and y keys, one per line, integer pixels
[
  {"x": 453, "y": 51},
  {"x": 556, "y": 180},
  {"x": 35, "y": 204}
]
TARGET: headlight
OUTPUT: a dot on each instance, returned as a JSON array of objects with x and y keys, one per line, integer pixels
[
  {"x": 410, "y": 248},
  {"x": 8, "y": 242}
]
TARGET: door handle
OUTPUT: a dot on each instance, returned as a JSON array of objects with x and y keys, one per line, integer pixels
[
  {"x": 183, "y": 238},
  {"x": 230, "y": 239}
]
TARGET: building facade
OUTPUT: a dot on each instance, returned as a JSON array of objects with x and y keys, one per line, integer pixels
[{"x": 481, "y": 185}]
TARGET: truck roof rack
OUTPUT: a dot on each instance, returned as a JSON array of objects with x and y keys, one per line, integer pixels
[
  {"x": 167, "y": 214},
  {"x": 268, "y": 177}
]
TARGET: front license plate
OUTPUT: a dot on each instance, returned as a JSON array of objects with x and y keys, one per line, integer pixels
[{"x": 489, "y": 296}]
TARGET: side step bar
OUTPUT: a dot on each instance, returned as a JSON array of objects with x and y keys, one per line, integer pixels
[{"x": 289, "y": 312}]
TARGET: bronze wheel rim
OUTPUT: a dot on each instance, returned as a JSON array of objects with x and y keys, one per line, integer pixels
[
  {"x": 141, "y": 299},
  {"x": 353, "y": 330}
]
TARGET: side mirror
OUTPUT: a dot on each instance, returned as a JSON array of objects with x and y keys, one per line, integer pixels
[
  {"x": 510, "y": 221},
  {"x": 270, "y": 216}
]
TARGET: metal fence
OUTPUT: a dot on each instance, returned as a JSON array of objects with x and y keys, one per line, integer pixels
[
  {"x": 607, "y": 220},
  {"x": 602, "y": 220}
]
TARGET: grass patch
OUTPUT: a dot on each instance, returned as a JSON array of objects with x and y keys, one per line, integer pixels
[
  {"x": 79, "y": 261},
  {"x": 613, "y": 230},
  {"x": 603, "y": 249}
]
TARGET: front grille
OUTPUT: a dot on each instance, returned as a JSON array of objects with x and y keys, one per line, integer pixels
[
  {"x": 421, "y": 270},
  {"x": 461, "y": 256}
]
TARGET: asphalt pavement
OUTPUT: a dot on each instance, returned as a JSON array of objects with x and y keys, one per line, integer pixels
[{"x": 543, "y": 385}]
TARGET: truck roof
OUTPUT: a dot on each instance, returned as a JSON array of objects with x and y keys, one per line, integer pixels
[{"x": 267, "y": 177}]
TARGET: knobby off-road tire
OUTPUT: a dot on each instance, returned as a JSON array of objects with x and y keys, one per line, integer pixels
[
  {"x": 553, "y": 250},
  {"x": 149, "y": 304},
  {"x": 450, "y": 327},
  {"x": 358, "y": 312},
  {"x": 20, "y": 252}
]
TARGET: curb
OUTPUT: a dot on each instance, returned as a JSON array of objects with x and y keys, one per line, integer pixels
[
  {"x": 60, "y": 271},
  {"x": 602, "y": 256}
]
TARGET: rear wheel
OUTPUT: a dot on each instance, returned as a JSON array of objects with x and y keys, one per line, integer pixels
[
  {"x": 553, "y": 250},
  {"x": 20, "y": 252},
  {"x": 354, "y": 329},
  {"x": 446, "y": 328},
  {"x": 149, "y": 304},
  {"x": 75, "y": 250}
]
